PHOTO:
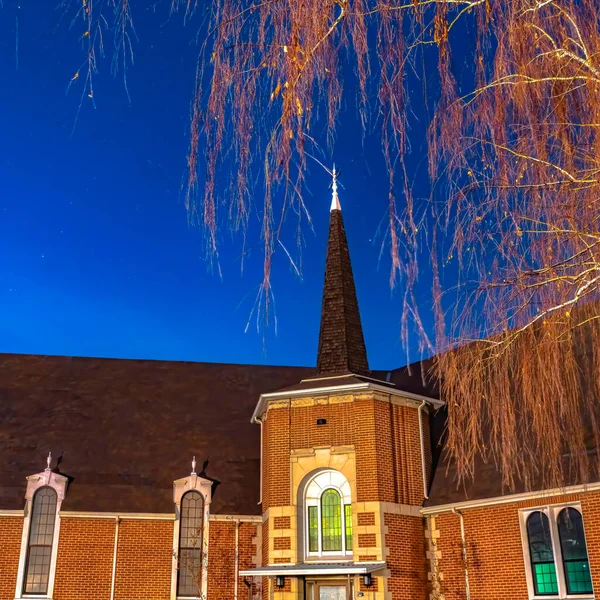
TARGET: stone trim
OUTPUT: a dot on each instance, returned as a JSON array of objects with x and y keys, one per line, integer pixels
[{"x": 59, "y": 484}]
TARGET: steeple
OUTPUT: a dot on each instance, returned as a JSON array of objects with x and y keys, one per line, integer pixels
[{"x": 341, "y": 342}]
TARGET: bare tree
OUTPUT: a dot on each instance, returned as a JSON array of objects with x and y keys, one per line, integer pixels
[
  {"x": 512, "y": 222},
  {"x": 192, "y": 564}
]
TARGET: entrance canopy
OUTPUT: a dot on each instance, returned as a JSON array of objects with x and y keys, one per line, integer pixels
[{"x": 315, "y": 569}]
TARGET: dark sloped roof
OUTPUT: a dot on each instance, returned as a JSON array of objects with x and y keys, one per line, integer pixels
[
  {"x": 486, "y": 482},
  {"x": 341, "y": 341},
  {"x": 125, "y": 429}
]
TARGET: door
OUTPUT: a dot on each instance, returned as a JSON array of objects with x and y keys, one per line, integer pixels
[{"x": 332, "y": 592}]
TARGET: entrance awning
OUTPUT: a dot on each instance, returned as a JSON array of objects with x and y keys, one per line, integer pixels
[{"x": 315, "y": 569}]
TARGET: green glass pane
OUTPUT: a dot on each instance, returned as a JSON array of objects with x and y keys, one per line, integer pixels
[
  {"x": 348, "y": 517},
  {"x": 331, "y": 521},
  {"x": 313, "y": 529},
  {"x": 579, "y": 580},
  {"x": 540, "y": 540},
  {"x": 572, "y": 538},
  {"x": 545, "y": 579}
]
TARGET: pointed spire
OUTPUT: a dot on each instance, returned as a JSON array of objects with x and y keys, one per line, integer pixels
[
  {"x": 341, "y": 341},
  {"x": 335, "y": 201}
]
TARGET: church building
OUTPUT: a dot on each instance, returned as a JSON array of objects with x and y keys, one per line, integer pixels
[{"x": 157, "y": 480}]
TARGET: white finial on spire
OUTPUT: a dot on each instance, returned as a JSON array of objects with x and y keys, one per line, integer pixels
[
  {"x": 49, "y": 461},
  {"x": 335, "y": 201},
  {"x": 193, "y": 465}
]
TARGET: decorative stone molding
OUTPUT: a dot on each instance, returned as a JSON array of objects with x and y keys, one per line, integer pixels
[
  {"x": 193, "y": 482},
  {"x": 58, "y": 483}
]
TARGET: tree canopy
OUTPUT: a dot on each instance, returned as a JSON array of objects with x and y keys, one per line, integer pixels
[{"x": 513, "y": 162}]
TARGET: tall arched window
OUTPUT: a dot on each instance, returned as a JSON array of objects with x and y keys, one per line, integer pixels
[
  {"x": 328, "y": 515},
  {"x": 541, "y": 555},
  {"x": 191, "y": 537},
  {"x": 574, "y": 552},
  {"x": 39, "y": 546}
]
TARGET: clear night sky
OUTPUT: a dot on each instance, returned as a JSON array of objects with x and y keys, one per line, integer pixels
[{"x": 96, "y": 255}]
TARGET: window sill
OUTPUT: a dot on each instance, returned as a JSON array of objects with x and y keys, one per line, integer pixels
[
  {"x": 568, "y": 597},
  {"x": 330, "y": 558}
]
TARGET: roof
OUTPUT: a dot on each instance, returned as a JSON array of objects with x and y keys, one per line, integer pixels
[
  {"x": 486, "y": 481},
  {"x": 124, "y": 430},
  {"x": 341, "y": 341}
]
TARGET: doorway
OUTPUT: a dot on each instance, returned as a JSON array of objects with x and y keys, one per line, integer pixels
[
  {"x": 328, "y": 590},
  {"x": 332, "y": 592}
]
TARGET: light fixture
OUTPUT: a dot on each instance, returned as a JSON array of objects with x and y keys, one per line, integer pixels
[
  {"x": 368, "y": 580},
  {"x": 280, "y": 581}
]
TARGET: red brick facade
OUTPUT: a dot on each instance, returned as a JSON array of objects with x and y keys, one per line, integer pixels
[
  {"x": 422, "y": 553},
  {"x": 494, "y": 546},
  {"x": 11, "y": 530},
  {"x": 85, "y": 546}
]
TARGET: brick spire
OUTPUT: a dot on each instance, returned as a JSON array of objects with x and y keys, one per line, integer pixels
[{"x": 341, "y": 342}]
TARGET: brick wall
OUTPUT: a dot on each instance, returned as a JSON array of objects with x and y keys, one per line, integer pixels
[
  {"x": 276, "y": 456},
  {"x": 221, "y": 557},
  {"x": 221, "y": 560},
  {"x": 406, "y": 448},
  {"x": 366, "y": 451},
  {"x": 144, "y": 560},
  {"x": 265, "y": 557},
  {"x": 11, "y": 530},
  {"x": 85, "y": 559},
  {"x": 405, "y": 540},
  {"x": 247, "y": 551},
  {"x": 590, "y": 508},
  {"x": 337, "y": 431},
  {"x": 386, "y": 440},
  {"x": 494, "y": 548}
]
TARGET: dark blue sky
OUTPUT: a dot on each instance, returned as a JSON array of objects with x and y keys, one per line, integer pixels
[{"x": 96, "y": 255}]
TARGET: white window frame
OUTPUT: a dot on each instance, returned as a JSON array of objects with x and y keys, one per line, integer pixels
[
  {"x": 34, "y": 482},
  {"x": 552, "y": 512},
  {"x": 315, "y": 488},
  {"x": 199, "y": 484}
]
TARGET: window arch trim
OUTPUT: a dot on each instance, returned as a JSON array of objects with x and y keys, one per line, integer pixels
[
  {"x": 576, "y": 569},
  {"x": 316, "y": 488},
  {"x": 58, "y": 483},
  {"x": 552, "y": 513},
  {"x": 191, "y": 483},
  {"x": 542, "y": 559},
  {"x": 191, "y": 544}
]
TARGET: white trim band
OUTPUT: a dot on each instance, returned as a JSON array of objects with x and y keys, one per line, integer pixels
[
  {"x": 76, "y": 514},
  {"x": 314, "y": 569},
  {"x": 353, "y": 387}
]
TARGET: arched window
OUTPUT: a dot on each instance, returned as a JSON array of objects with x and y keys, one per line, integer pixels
[
  {"x": 328, "y": 515},
  {"x": 574, "y": 552},
  {"x": 191, "y": 537},
  {"x": 541, "y": 555},
  {"x": 39, "y": 546}
]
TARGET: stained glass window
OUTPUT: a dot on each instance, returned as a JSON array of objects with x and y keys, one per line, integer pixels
[
  {"x": 191, "y": 536},
  {"x": 331, "y": 521},
  {"x": 41, "y": 535},
  {"x": 348, "y": 520},
  {"x": 574, "y": 552},
  {"x": 541, "y": 555},
  {"x": 313, "y": 529},
  {"x": 328, "y": 517}
]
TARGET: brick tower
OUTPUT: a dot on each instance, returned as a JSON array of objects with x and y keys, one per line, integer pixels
[{"x": 345, "y": 465}]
